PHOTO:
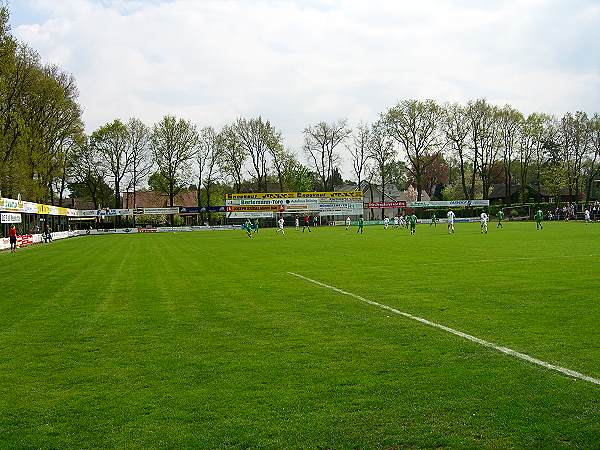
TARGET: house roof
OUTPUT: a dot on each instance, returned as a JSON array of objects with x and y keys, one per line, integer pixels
[
  {"x": 152, "y": 199},
  {"x": 499, "y": 190},
  {"x": 392, "y": 193}
]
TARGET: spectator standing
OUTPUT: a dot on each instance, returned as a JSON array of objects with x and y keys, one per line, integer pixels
[{"x": 12, "y": 235}]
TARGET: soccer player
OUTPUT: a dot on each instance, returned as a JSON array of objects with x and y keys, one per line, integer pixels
[
  {"x": 396, "y": 221},
  {"x": 12, "y": 235},
  {"x": 539, "y": 216},
  {"x": 587, "y": 217},
  {"x": 500, "y": 218},
  {"x": 386, "y": 222},
  {"x": 280, "y": 222},
  {"x": 451, "y": 216},
  {"x": 306, "y": 223},
  {"x": 484, "y": 222},
  {"x": 348, "y": 222},
  {"x": 361, "y": 224},
  {"x": 433, "y": 220},
  {"x": 315, "y": 221},
  {"x": 256, "y": 225},
  {"x": 412, "y": 220},
  {"x": 297, "y": 224},
  {"x": 247, "y": 228}
]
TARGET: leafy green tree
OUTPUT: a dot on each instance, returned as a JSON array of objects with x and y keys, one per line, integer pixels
[{"x": 321, "y": 143}]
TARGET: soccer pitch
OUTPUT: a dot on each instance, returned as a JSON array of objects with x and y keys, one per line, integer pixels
[{"x": 205, "y": 340}]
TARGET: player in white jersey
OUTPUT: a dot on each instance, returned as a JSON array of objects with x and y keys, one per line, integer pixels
[
  {"x": 348, "y": 222},
  {"x": 484, "y": 222},
  {"x": 280, "y": 222},
  {"x": 588, "y": 219},
  {"x": 450, "y": 216},
  {"x": 297, "y": 224},
  {"x": 386, "y": 222},
  {"x": 396, "y": 221}
]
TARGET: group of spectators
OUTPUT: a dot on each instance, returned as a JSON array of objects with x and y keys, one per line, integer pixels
[
  {"x": 569, "y": 211},
  {"x": 13, "y": 235}
]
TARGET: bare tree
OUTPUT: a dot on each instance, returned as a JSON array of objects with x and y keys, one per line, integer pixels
[
  {"x": 138, "y": 140},
  {"x": 414, "y": 125},
  {"x": 320, "y": 143},
  {"x": 485, "y": 139},
  {"x": 593, "y": 166},
  {"x": 232, "y": 157},
  {"x": 283, "y": 161},
  {"x": 173, "y": 143},
  {"x": 532, "y": 141},
  {"x": 208, "y": 155},
  {"x": 359, "y": 149},
  {"x": 511, "y": 122},
  {"x": 255, "y": 137},
  {"x": 575, "y": 142},
  {"x": 382, "y": 152},
  {"x": 456, "y": 127}
]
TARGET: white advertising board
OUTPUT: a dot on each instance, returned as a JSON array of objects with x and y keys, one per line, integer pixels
[
  {"x": 250, "y": 215},
  {"x": 10, "y": 218}
]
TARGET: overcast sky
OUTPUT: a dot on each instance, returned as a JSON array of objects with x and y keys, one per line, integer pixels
[{"x": 300, "y": 62}]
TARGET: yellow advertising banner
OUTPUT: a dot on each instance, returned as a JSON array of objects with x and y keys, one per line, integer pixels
[
  {"x": 283, "y": 195},
  {"x": 43, "y": 209}
]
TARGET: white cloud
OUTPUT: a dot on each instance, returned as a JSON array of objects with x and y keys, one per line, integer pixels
[{"x": 297, "y": 62}]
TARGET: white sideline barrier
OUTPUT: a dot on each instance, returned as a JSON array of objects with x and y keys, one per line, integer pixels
[{"x": 30, "y": 239}]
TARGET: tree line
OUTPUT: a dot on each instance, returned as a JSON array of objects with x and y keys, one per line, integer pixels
[{"x": 448, "y": 150}]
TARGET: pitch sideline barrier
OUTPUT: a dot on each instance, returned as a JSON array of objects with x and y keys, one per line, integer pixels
[
  {"x": 32, "y": 239},
  {"x": 421, "y": 221}
]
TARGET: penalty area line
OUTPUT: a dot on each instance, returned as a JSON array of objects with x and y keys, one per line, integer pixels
[{"x": 484, "y": 343}]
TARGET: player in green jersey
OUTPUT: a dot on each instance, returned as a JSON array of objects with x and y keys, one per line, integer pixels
[
  {"x": 361, "y": 224},
  {"x": 500, "y": 219},
  {"x": 412, "y": 220},
  {"x": 247, "y": 227},
  {"x": 539, "y": 216},
  {"x": 433, "y": 221}
]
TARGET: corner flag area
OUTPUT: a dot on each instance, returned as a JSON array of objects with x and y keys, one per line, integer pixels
[{"x": 213, "y": 340}]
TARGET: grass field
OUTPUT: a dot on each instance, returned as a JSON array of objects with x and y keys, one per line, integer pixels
[{"x": 203, "y": 340}]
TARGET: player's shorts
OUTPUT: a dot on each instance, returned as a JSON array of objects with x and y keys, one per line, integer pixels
[{"x": 13, "y": 240}]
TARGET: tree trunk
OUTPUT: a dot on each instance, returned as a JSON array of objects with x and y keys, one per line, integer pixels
[
  {"x": 117, "y": 195},
  {"x": 371, "y": 212},
  {"x": 208, "y": 202},
  {"x": 171, "y": 197},
  {"x": 382, "y": 196}
]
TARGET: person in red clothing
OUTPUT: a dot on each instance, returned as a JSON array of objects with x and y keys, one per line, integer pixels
[
  {"x": 12, "y": 234},
  {"x": 306, "y": 223}
]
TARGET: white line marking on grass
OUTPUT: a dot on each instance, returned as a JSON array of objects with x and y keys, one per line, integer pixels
[{"x": 499, "y": 348}]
